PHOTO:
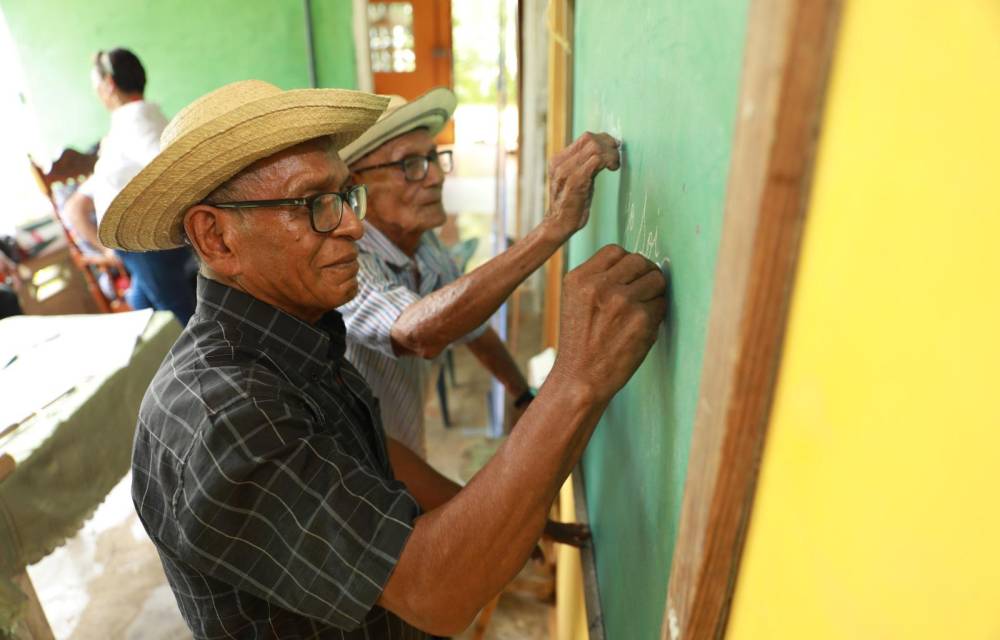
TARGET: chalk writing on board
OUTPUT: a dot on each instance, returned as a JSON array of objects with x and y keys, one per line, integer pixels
[
  {"x": 630, "y": 221},
  {"x": 646, "y": 241}
]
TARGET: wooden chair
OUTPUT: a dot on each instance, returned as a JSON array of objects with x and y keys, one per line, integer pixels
[{"x": 67, "y": 173}]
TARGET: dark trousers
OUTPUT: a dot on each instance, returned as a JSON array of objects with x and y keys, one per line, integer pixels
[{"x": 163, "y": 280}]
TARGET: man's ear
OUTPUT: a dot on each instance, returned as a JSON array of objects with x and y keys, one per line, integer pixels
[
  {"x": 214, "y": 234},
  {"x": 108, "y": 87}
]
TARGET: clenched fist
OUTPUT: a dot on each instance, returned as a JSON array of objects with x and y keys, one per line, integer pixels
[
  {"x": 571, "y": 180},
  {"x": 612, "y": 307}
]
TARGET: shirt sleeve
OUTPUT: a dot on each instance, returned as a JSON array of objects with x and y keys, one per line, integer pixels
[
  {"x": 379, "y": 303},
  {"x": 274, "y": 506},
  {"x": 87, "y": 187},
  {"x": 144, "y": 144}
]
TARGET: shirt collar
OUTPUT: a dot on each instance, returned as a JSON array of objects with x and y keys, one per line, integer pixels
[
  {"x": 128, "y": 111},
  {"x": 278, "y": 334}
]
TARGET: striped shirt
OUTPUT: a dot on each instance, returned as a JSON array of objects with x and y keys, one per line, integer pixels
[
  {"x": 387, "y": 285},
  {"x": 260, "y": 472}
]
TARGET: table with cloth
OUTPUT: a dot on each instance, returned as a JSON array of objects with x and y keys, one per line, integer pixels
[{"x": 70, "y": 389}]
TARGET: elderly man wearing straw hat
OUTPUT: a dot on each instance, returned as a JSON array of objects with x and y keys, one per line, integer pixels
[
  {"x": 412, "y": 302},
  {"x": 260, "y": 468}
]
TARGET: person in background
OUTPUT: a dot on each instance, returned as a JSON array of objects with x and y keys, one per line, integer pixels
[
  {"x": 161, "y": 280},
  {"x": 413, "y": 303}
]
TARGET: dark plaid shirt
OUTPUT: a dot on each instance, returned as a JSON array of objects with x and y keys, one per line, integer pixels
[{"x": 260, "y": 471}]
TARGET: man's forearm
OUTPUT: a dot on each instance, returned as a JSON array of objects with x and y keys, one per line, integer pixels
[
  {"x": 78, "y": 211},
  {"x": 426, "y": 327},
  {"x": 493, "y": 354},
  {"x": 462, "y": 553},
  {"x": 426, "y": 484}
]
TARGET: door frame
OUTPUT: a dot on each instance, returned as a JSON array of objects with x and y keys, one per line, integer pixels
[{"x": 362, "y": 53}]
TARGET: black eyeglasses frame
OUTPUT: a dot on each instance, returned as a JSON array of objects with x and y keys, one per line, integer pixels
[
  {"x": 433, "y": 156},
  {"x": 308, "y": 201}
]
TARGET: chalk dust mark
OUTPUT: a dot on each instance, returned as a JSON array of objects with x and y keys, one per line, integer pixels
[
  {"x": 642, "y": 223},
  {"x": 630, "y": 221}
]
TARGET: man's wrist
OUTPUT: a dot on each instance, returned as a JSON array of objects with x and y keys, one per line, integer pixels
[
  {"x": 552, "y": 232},
  {"x": 577, "y": 386}
]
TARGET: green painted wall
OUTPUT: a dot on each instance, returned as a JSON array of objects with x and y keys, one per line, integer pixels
[
  {"x": 188, "y": 47},
  {"x": 663, "y": 75}
]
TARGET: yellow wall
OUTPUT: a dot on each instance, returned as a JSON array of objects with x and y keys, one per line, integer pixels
[
  {"x": 571, "y": 612},
  {"x": 878, "y": 509}
]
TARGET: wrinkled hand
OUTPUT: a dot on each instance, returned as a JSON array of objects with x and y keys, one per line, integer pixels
[
  {"x": 612, "y": 308},
  {"x": 106, "y": 259},
  {"x": 571, "y": 180},
  {"x": 112, "y": 260}
]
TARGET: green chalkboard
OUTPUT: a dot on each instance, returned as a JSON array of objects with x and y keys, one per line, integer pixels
[{"x": 663, "y": 75}]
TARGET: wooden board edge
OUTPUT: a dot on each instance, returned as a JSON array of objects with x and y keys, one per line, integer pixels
[
  {"x": 588, "y": 562},
  {"x": 560, "y": 129},
  {"x": 787, "y": 59}
]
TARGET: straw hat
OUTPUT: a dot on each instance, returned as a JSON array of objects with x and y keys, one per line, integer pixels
[
  {"x": 213, "y": 139},
  {"x": 430, "y": 111}
]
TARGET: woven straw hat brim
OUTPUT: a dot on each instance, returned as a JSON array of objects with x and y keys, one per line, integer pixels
[
  {"x": 148, "y": 213},
  {"x": 430, "y": 111}
]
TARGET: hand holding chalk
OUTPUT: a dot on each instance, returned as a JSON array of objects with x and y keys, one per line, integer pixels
[
  {"x": 571, "y": 179},
  {"x": 613, "y": 305}
]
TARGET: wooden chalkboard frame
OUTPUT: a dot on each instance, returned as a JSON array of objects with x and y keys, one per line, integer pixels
[{"x": 786, "y": 63}]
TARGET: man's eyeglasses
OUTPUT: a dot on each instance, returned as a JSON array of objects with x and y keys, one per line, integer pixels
[
  {"x": 326, "y": 210},
  {"x": 415, "y": 168}
]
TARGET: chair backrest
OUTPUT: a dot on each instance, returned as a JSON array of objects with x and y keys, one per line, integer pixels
[
  {"x": 70, "y": 168},
  {"x": 67, "y": 173}
]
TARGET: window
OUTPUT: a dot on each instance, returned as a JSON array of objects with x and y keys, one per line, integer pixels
[{"x": 390, "y": 37}]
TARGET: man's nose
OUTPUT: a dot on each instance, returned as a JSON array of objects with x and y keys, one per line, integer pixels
[
  {"x": 435, "y": 174},
  {"x": 350, "y": 226}
]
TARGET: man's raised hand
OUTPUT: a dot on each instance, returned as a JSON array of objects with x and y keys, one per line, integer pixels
[{"x": 571, "y": 180}]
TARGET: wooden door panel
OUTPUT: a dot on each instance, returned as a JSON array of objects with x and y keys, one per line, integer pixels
[{"x": 410, "y": 44}]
